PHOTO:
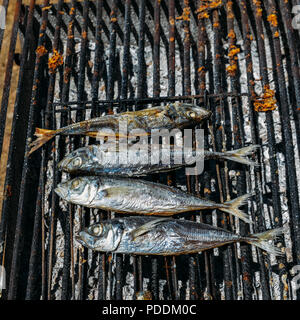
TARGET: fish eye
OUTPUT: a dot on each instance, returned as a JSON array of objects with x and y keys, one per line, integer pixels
[
  {"x": 97, "y": 229},
  {"x": 192, "y": 114},
  {"x": 77, "y": 162},
  {"x": 75, "y": 184}
]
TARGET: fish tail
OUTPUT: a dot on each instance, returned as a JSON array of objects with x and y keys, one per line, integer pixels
[
  {"x": 239, "y": 155},
  {"x": 43, "y": 135},
  {"x": 232, "y": 207},
  {"x": 260, "y": 240}
]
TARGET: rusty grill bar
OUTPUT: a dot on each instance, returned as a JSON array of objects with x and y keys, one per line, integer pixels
[{"x": 120, "y": 55}]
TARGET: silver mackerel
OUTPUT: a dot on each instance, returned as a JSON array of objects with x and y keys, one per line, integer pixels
[{"x": 138, "y": 196}]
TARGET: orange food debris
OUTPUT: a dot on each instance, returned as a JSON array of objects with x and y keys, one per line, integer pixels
[
  {"x": 206, "y": 190},
  {"x": 201, "y": 69},
  {"x": 172, "y": 39},
  {"x": 83, "y": 34},
  {"x": 113, "y": 19},
  {"x": 72, "y": 11},
  {"x": 233, "y": 51},
  {"x": 216, "y": 25},
  {"x": 267, "y": 102},
  {"x": 47, "y": 8},
  {"x": 232, "y": 69},
  {"x": 214, "y": 4},
  {"x": 61, "y": 12},
  {"x": 203, "y": 15},
  {"x": 276, "y": 34},
  {"x": 40, "y": 51},
  {"x": 259, "y": 12},
  {"x": 272, "y": 18},
  {"x": 185, "y": 14},
  {"x": 207, "y": 5},
  {"x": 246, "y": 276},
  {"x": 231, "y": 34},
  {"x": 55, "y": 61}
]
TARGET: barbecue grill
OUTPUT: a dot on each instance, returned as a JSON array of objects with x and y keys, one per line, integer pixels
[{"x": 83, "y": 59}]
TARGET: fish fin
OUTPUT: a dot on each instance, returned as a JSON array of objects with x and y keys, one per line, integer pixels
[
  {"x": 147, "y": 227},
  {"x": 239, "y": 155},
  {"x": 43, "y": 135},
  {"x": 260, "y": 240},
  {"x": 232, "y": 207},
  {"x": 92, "y": 134},
  {"x": 95, "y": 134}
]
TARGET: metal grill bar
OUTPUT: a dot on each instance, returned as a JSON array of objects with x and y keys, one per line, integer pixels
[{"x": 246, "y": 261}]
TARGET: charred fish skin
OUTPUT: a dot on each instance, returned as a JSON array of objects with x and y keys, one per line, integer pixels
[
  {"x": 177, "y": 115},
  {"x": 165, "y": 236},
  {"x": 173, "y": 115},
  {"x": 106, "y": 160},
  {"x": 127, "y": 195}
]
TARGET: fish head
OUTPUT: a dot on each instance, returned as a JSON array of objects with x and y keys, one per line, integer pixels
[
  {"x": 80, "y": 190},
  {"x": 78, "y": 160},
  {"x": 192, "y": 112},
  {"x": 105, "y": 236}
]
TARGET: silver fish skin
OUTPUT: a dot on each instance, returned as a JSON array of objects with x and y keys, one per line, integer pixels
[
  {"x": 107, "y": 159},
  {"x": 165, "y": 236},
  {"x": 126, "y": 195},
  {"x": 174, "y": 115}
]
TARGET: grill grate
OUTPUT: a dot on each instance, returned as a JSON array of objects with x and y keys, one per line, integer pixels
[{"x": 125, "y": 55}]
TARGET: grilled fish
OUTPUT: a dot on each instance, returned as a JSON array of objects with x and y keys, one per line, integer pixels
[
  {"x": 126, "y": 195},
  {"x": 165, "y": 236},
  {"x": 96, "y": 160},
  {"x": 170, "y": 116}
]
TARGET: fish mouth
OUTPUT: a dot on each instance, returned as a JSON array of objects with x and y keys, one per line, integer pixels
[
  {"x": 61, "y": 191},
  {"x": 85, "y": 239},
  {"x": 63, "y": 164},
  {"x": 79, "y": 239},
  {"x": 202, "y": 113}
]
